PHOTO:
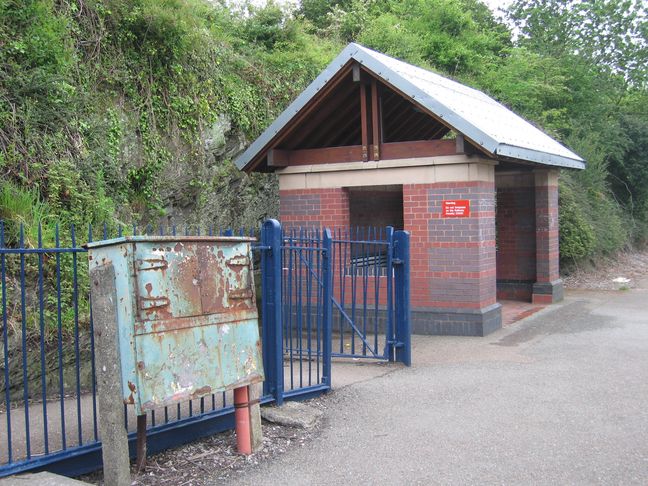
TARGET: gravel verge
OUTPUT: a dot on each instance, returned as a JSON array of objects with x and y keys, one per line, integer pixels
[{"x": 215, "y": 459}]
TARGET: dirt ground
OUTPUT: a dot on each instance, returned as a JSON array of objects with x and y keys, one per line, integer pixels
[
  {"x": 631, "y": 265},
  {"x": 215, "y": 458}
]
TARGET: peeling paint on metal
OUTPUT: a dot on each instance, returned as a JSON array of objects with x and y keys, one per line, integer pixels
[{"x": 188, "y": 320}]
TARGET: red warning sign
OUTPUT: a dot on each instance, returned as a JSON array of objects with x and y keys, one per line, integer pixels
[{"x": 456, "y": 208}]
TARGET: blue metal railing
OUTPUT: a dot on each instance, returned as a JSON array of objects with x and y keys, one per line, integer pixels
[{"x": 307, "y": 278}]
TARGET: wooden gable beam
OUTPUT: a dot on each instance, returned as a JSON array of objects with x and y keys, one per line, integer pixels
[
  {"x": 354, "y": 153},
  {"x": 363, "y": 122},
  {"x": 375, "y": 120}
]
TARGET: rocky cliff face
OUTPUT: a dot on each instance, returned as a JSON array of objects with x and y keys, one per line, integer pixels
[{"x": 210, "y": 190}]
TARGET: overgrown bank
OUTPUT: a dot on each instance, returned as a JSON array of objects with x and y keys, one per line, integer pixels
[{"x": 132, "y": 110}]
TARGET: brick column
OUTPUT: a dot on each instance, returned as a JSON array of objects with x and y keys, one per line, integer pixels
[
  {"x": 453, "y": 259},
  {"x": 314, "y": 208},
  {"x": 548, "y": 287}
]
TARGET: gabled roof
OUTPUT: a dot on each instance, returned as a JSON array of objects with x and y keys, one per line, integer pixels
[{"x": 489, "y": 124}]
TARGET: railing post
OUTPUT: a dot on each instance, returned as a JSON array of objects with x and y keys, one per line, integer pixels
[
  {"x": 402, "y": 297},
  {"x": 271, "y": 310},
  {"x": 327, "y": 310},
  {"x": 389, "y": 329}
]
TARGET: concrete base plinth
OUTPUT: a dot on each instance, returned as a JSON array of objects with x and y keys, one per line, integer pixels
[
  {"x": 548, "y": 292},
  {"x": 515, "y": 290},
  {"x": 457, "y": 322}
]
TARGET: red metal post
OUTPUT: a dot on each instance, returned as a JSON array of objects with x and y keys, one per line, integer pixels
[{"x": 242, "y": 420}]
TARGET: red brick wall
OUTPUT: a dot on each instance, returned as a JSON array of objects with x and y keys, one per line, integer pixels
[
  {"x": 314, "y": 207},
  {"x": 453, "y": 259}
]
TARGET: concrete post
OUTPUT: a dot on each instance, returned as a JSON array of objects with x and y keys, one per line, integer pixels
[
  {"x": 114, "y": 449},
  {"x": 256, "y": 431}
]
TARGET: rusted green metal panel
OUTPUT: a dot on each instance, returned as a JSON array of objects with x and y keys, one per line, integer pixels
[{"x": 187, "y": 316}]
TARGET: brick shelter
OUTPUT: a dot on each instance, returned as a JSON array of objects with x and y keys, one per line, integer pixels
[{"x": 374, "y": 141}]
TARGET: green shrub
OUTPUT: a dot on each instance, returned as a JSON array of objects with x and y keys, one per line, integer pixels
[{"x": 576, "y": 234}]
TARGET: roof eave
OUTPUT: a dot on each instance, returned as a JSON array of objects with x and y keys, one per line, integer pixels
[{"x": 544, "y": 158}]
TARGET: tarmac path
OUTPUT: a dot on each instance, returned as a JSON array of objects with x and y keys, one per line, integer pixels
[{"x": 559, "y": 398}]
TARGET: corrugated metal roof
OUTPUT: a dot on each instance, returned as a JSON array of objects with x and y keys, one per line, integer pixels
[{"x": 469, "y": 111}]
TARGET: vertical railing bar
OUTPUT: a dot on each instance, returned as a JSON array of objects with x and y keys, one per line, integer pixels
[
  {"x": 320, "y": 289},
  {"x": 290, "y": 316},
  {"x": 92, "y": 358},
  {"x": 41, "y": 318},
  {"x": 284, "y": 290},
  {"x": 59, "y": 327},
  {"x": 343, "y": 259},
  {"x": 365, "y": 282},
  {"x": 354, "y": 289},
  {"x": 23, "y": 313},
  {"x": 309, "y": 308},
  {"x": 300, "y": 308},
  {"x": 5, "y": 340},
  {"x": 77, "y": 352},
  {"x": 378, "y": 254}
]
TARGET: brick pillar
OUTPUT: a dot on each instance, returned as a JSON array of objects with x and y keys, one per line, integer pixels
[
  {"x": 453, "y": 259},
  {"x": 516, "y": 235},
  {"x": 548, "y": 287},
  {"x": 314, "y": 208}
]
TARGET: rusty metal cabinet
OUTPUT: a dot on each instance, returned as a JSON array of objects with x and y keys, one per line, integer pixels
[{"x": 186, "y": 315}]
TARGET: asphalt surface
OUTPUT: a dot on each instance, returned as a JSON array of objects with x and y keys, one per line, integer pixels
[{"x": 559, "y": 398}]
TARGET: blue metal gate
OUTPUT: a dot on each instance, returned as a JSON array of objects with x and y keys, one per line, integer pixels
[
  {"x": 48, "y": 418},
  {"x": 371, "y": 294}
]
